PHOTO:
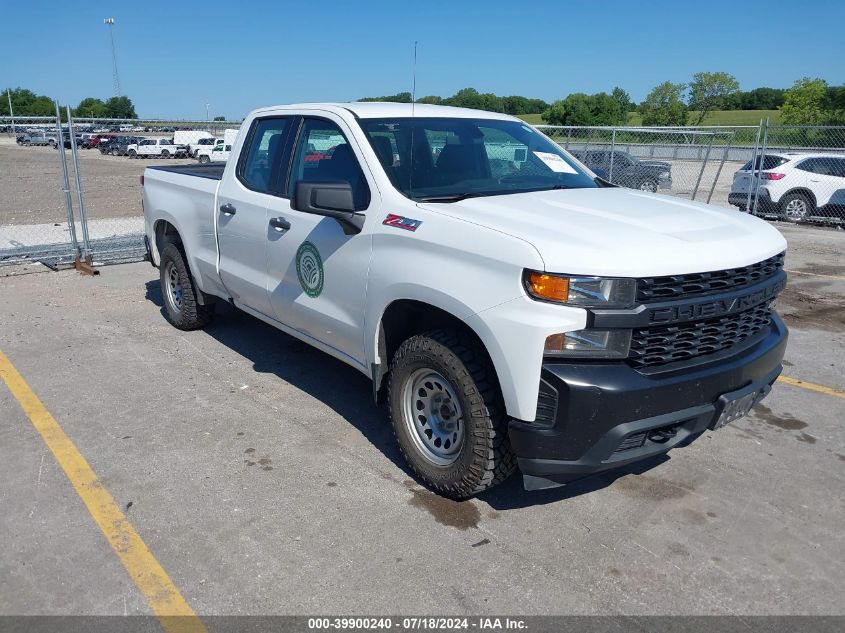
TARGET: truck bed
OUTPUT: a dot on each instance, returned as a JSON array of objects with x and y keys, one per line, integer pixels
[{"x": 212, "y": 171}]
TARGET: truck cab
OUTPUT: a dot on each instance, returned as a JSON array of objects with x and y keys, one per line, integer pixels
[{"x": 511, "y": 308}]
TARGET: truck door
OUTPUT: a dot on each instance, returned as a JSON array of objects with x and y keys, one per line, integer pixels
[
  {"x": 317, "y": 275},
  {"x": 242, "y": 230}
]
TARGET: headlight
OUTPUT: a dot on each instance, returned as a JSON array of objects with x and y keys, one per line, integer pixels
[
  {"x": 589, "y": 344},
  {"x": 581, "y": 291}
]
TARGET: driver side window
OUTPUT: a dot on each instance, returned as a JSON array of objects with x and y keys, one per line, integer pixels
[{"x": 322, "y": 154}]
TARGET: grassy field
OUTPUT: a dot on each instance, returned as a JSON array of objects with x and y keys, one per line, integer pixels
[{"x": 717, "y": 117}]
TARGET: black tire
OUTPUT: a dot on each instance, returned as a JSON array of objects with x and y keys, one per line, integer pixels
[
  {"x": 796, "y": 207},
  {"x": 485, "y": 458},
  {"x": 187, "y": 314},
  {"x": 165, "y": 154},
  {"x": 132, "y": 153},
  {"x": 115, "y": 152},
  {"x": 204, "y": 159},
  {"x": 647, "y": 185}
]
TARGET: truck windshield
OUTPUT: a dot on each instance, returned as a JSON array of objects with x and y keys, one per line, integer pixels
[{"x": 449, "y": 159}]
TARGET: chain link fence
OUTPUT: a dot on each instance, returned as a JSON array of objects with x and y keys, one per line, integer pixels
[
  {"x": 35, "y": 194},
  {"x": 109, "y": 157},
  {"x": 92, "y": 206},
  {"x": 797, "y": 175}
]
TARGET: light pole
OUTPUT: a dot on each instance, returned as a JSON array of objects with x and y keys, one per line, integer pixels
[
  {"x": 110, "y": 23},
  {"x": 207, "y": 116},
  {"x": 11, "y": 112}
]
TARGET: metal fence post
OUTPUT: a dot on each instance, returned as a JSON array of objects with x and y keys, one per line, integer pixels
[
  {"x": 83, "y": 263},
  {"x": 60, "y": 147},
  {"x": 762, "y": 160},
  {"x": 703, "y": 165},
  {"x": 753, "y": 164},
  {"x": 612, "y": 147},
  {"x": 721, "y": 164}
]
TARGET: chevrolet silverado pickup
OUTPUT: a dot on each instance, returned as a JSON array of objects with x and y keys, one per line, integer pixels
[{"x": 512, "y": 309}]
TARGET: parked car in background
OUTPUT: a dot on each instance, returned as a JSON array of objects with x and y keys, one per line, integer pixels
[
  {"x": 36, "y": 138},
  {"x": 191, "y": 139},
  {"x": 219, "y": 153},
  {"x": 201, "y": 144},
  {"x": 792, "y": 186},
  {"x": 117, "y": 145},
  {"x": 629, "y": 171},
  {"x": 161, "y": 147}
]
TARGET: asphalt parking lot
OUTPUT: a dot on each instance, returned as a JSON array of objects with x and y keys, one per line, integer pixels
[{"x": 263, "y": 479}]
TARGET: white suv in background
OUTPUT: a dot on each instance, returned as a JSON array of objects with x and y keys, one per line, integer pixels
[{"x": 794, "y": 187}]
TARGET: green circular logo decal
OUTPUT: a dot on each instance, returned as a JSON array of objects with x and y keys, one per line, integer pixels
[{"x": 309, "y": 269}]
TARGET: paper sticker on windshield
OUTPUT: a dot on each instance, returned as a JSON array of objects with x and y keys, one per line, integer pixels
[{"x": 555, "y": 163}]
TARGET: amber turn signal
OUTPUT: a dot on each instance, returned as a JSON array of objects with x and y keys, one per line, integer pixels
[{"x": 549, "y": 287}]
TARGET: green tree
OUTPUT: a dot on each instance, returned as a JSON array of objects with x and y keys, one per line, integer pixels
[
  {"x": 431, "y": 99},
  {"x": 583, "y": 109},
  {"x": 91, "y": 107},
  {"x": 664, "y": 105},
  {"x": 806, "y": 103},
  {"x": 709, "y": 91},
  {"x": 219, "y": 118},
  {"x": 120, "y": 108},
  {"x": 623, "y": 99},
  {"x": 401, "y": 97}
]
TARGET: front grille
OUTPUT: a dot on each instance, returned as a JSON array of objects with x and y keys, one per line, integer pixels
[
  {"x": 650, "y": 289},
  {"x": 662, "y": 345}
]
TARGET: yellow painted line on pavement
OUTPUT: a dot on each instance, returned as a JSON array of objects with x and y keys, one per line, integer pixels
[
  {"x": 801, "y": 272},
  {"x": 173, "y": 612},
  {"x": 811, "y": 386}
]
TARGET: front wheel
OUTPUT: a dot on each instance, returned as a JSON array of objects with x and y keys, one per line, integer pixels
[
  {"x": 204, "y": 159},
  {"x": 648, "y": 185},
  {"x": 132, "y": 153},
  {"x": 181, "y": 306},
  {"x": 447, "y": 414},
  {"x": 165, "y": 154}
]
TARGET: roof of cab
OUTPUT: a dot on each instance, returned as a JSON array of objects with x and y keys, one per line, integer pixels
[{"x": 387, "y": 110}]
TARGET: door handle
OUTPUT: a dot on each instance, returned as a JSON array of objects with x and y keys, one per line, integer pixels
[
  {"x": 228, "y": 209},
  {"x": 280, "y": 224}
]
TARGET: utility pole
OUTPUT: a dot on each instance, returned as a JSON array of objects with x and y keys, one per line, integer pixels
[
  {"x": 11, "y": 112},
  {"x": 110, "y": 23},
  {"x": 207, "y": 116}
]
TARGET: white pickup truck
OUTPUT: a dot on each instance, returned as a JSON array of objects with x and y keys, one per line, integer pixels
[
  {"x": 512, "y": 308},
  {"x": 159, "y": 147}
]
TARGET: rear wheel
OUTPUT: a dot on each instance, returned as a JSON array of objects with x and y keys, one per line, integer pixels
[
  {"x": 181, "y": 305},
  {"x": 796, "y": 207},
  {"x": 447, "y": 414},
  {"x": 165, "y": 154},
  {"x": 204, "y": 159}
]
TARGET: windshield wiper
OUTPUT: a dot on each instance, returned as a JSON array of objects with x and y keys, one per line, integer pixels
[{"x": 455, "y": 197}]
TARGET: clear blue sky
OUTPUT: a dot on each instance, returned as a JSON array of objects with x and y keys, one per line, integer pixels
[{"x": 175, "y": 56}]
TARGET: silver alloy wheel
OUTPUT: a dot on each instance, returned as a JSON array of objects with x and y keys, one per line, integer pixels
[
  {"x": 433, "y": 417},
  {"x": 174, "y": 287},
  {"x": 796, "y": 209},
  {"x": 648, "y": 185}
]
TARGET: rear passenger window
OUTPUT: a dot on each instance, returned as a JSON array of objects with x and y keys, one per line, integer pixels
[
  {"x": 821, "y": 165},
  {"x": 263, "y": 156}
]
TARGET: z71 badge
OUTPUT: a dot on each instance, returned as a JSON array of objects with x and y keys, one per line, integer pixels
[{"x": 409, "y": 224}]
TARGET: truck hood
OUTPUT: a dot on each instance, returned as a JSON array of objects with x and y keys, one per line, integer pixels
[{"x": 622, "y": 232}]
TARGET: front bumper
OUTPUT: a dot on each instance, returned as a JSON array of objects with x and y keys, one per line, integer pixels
[{"x": 603, "y": 415}]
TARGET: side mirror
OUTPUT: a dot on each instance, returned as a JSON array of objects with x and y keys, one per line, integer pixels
[{"x": 331, "y": 199}]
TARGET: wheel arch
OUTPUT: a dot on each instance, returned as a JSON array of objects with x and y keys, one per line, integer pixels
[
  {"x": 404, "y": 318},
  {"x": 805, "y": 191}
]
